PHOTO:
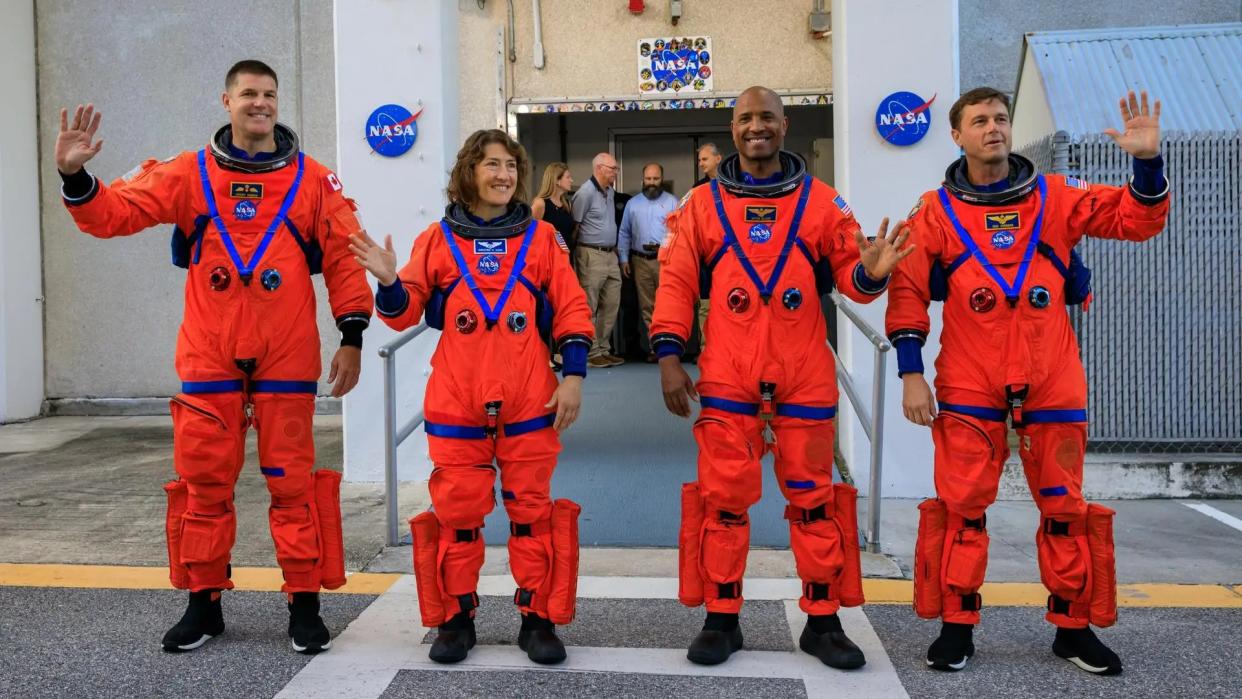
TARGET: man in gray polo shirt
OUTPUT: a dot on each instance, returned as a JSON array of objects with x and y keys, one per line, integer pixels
[{"x": 599, "y": 271}]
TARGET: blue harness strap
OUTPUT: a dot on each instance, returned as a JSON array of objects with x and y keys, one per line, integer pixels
[
  {"x": 976, "y": 411},
  {"x": 1014, "y": 291},
  {"x": 246, "y": 270},
  {"x": 1029, "y": 417},
  {"x": 268, "y": 386},
  {"x": 226, "y": 386},
  {"x": 730, "y": 238},
  {"x": 512, "y": 429},
  {"x": 491, "y": 314},
  {"x": 806, "y": 412}
]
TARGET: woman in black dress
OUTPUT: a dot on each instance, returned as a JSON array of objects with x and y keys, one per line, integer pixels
[{"x": 551, "y": 204}]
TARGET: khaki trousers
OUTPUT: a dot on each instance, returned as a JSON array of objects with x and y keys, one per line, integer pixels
[
  {"x": 599, "y": 273},
  {"x": 646, "y": 279}
]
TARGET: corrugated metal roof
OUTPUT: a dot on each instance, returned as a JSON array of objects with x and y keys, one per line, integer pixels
[{"x": 1195, "y": 71}]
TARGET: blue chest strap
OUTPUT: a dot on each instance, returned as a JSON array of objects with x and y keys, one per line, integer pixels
[
  {"x": 766, "y": 289},
  {"x": 492, "y": 314}
]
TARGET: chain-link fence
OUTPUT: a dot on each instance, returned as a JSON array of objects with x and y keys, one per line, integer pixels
[{"x": 1162, "y": 343}]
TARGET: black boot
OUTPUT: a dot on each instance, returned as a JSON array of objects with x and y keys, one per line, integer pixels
[
  {"x": 1082, "y": 648},
  {"x": 455, "y": 639},
  {"x": 953, "y": 648},
  {"x": 538, "y": 638},
  {"x": 203, "y": 620},
  {"x": 824, "y": 638},
  {"x": 721, "y": 635},
  {"x": 307, "y": 632}
]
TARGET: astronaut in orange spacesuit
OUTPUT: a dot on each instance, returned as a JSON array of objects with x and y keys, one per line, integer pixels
[
  {"x": 492, "y": 278},
  {"x": 255, "y": 218},
  {"x": 767, "y": 240},
  {"x": 996, "y": 244}
]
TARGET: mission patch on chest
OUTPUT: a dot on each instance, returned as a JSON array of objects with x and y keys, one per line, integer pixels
[
  {"x": 1003, "y": 221},
  {"x": 756, "y": 213},
  {"x": 246, "y": 190}
]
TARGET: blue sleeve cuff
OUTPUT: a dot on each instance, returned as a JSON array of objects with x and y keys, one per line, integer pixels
[
  {"x": 574, "y": 359},
  {"x": 909, "y": 355},
  {"x": 667, "y": 344},
  {"x": 866, "y": 284},
  {"x": 391, "y": 300},
  {"x": 1148, "y": 183}
]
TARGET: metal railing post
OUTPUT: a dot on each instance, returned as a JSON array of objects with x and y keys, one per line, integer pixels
[
  {"x": 393, "y": 439},
  {"x": 877, "y": 452},
  {"x": 390, "y": 445}
]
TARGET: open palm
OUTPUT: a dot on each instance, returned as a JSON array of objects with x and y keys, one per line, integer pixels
[
  {"x": 1141, "y": 137},
  {"x": 74, "y": 142}
]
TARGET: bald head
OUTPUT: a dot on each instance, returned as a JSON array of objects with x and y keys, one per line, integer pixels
[
  {"x": 759, "y": 126},
  {"x": 604, "y": 168}
]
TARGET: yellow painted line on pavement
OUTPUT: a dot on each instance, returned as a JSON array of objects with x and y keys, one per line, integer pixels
[
  {"x": 878, "y": 591},
  {"x": 145, "y": 578}
]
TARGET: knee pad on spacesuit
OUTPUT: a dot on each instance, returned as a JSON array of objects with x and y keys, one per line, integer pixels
[
  {"x": 563, "y": 580},
  {"x": 1103, "y": 565},
  {"x": 177, "y": 493},
  {"x": 327, "y": 502},
  {"x": 928, "y": 554},
  {"x": 425, "y": 536},
  {"x": 690, "y": 582},
  {"x": 207, "y": 536},
  {"x": 845, "y": 514}
]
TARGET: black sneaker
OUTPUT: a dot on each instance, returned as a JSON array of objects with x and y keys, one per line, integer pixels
[
  {"x": 720, "y": 637},
  {"x": 455, "y": 639},
  {"x": 307, "y": 632},
  {"x": 824, "y": 638},
  {"x": 538, "y": 638},
  {"x": 1082, "y": 648},
  {"x": 202, "y": 621},
  {"x": 953, "y": 648}
]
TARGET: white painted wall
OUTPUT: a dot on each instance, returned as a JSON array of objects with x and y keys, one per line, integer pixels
[
  {"x": 404, "y": 53},
  {"x": 21, "y": 279},
  {"x": 878, "y": 49}
]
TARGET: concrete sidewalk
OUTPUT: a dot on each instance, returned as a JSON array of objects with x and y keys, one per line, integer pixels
[{"x": 88, "y": 490}]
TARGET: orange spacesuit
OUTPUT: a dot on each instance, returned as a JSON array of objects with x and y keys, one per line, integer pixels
[
  {"x": 765, "y": 252},
  {"x": 1002, "y": 262},
  {"x": 251, "y": 234},
  {"x": 492, "y": 288}
]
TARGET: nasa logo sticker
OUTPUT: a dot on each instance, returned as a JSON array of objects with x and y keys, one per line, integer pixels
[
  {"x": 1002, "y": 240},
  {"x": 760, "y": 233},
  {"x": 245, "y": 210},
  {"x": 391, "y": 130},
  {"x": 903, "y": 118},
  {"x": 489, "y": 265}
]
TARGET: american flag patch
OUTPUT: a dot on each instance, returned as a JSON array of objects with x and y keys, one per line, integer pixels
[
  {"x": 845, "y": 208},
  {"x": 1076, "y": 183},
  {"x": 560, "y": 242}
]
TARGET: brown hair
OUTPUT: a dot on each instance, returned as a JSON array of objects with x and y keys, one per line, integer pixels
[
  {"x": 249, "y": 67},
  {"x": 461, "y": 188},
  {"x": 975, "y": 96},
  {"x": 551, "y": 175}
]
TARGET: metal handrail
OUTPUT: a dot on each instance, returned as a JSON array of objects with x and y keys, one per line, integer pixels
[
  {"x": 393, "y": 438},
  {"x": 873, "y": 421}
]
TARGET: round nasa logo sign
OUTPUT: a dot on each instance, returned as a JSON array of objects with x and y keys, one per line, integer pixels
[
  {"x": 245, "y": 210},
  {"x": 760, "y": 233},
  {"x": 1002, "y": 240},
  {"x": 903, "y": 118},
  {"x": 489, "y": 264},
  {"x": 391, "y": 130}
]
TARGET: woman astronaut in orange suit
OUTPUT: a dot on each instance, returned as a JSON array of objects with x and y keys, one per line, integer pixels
[{"x": 490, "y": 278}]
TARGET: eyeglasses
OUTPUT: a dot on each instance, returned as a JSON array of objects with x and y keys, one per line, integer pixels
[{"x": 610, "y": 167}]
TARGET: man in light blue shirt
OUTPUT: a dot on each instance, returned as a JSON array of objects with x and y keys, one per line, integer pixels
[{"x": 641, "y": 235}]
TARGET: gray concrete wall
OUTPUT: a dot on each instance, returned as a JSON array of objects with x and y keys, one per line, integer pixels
[
  {"x": 156, "y": 70},
  {"x": 991, "y": 30}
]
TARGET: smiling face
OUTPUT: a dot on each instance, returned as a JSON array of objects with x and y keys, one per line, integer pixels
[
  {"x": 251, "y": 103},
  {"x": 759, "y": 125},
  {"x": 496, "y": 176},
  {"x": 983, "y": 132}
]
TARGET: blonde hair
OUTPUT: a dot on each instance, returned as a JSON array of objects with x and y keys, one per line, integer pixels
[{"x": 551, "y": 175}]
